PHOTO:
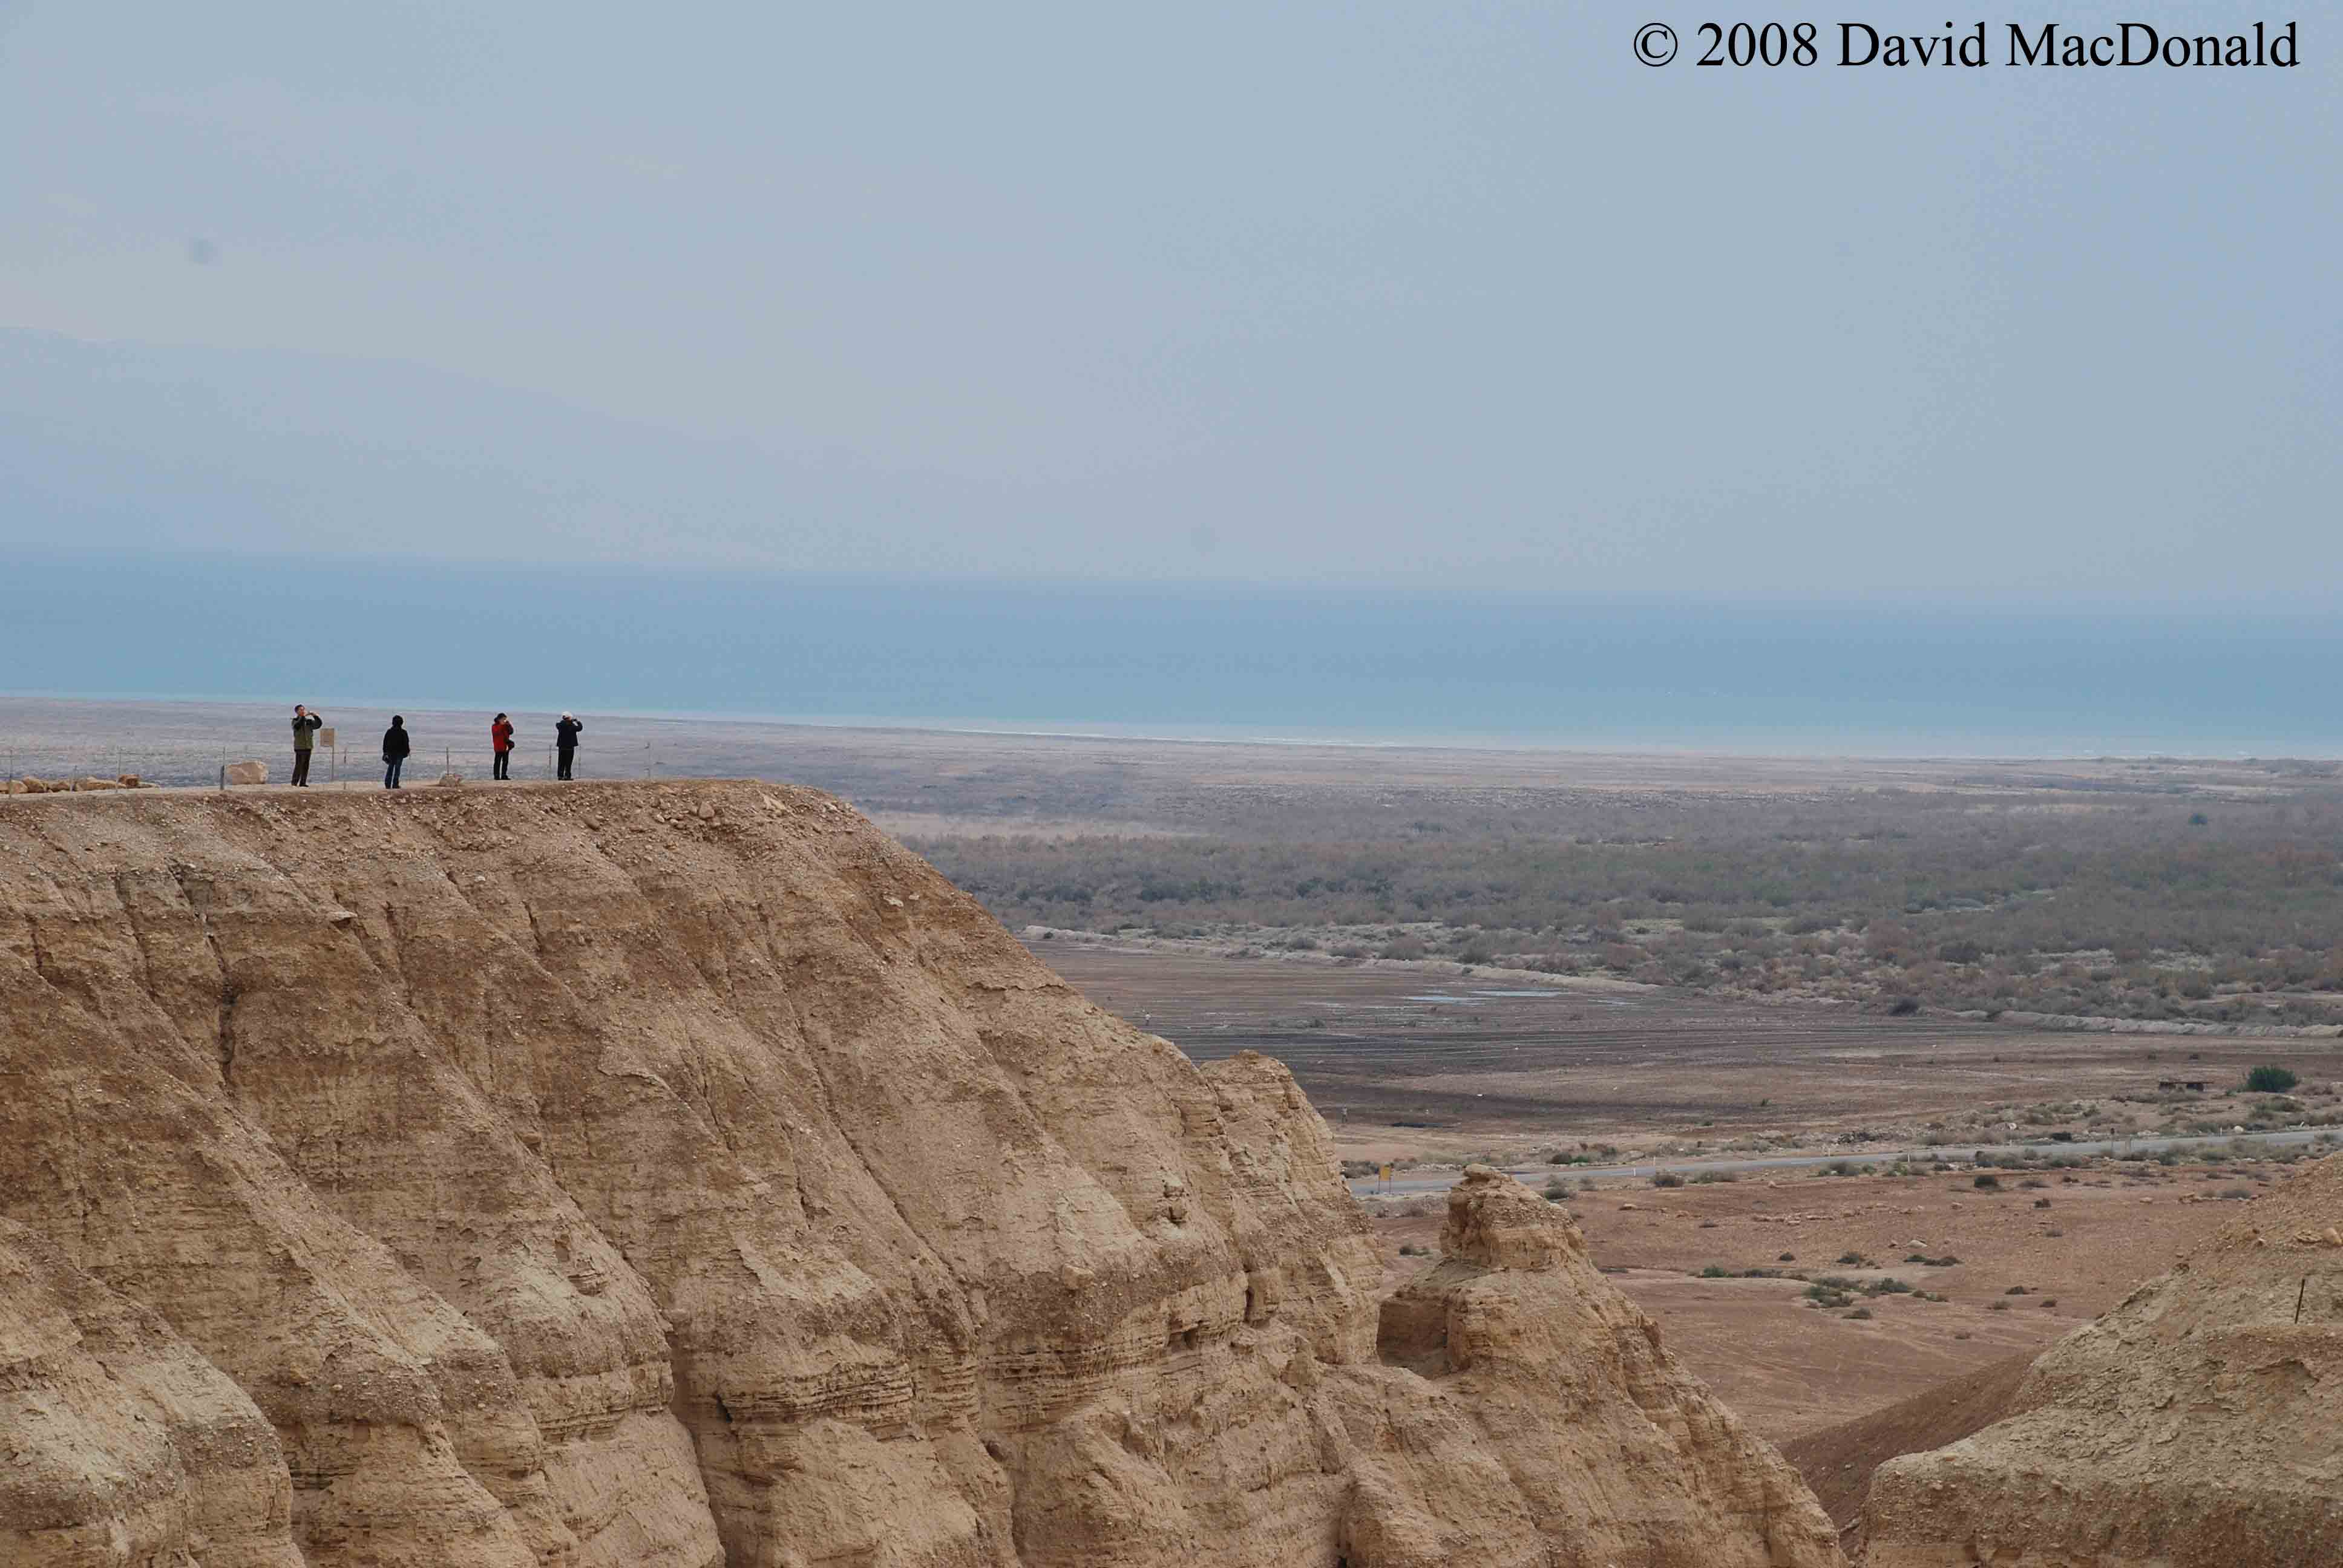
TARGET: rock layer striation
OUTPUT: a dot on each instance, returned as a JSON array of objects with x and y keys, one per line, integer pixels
[
  {"x": 681, "y": 1174},
  {"x": 2197, "y": 1425}
]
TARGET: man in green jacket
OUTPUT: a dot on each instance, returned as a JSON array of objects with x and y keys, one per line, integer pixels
[{"x": 304, "y": 740}]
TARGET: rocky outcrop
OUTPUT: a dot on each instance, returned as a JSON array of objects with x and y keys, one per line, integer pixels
[
  {"x": 676, "y": 1174},
  {"x": 1838, "y": 1461},
  {"x": 1517, "y": 1331},
  {"x": 2197, "y": 1425},
  {"x": 119, "y": 1442}
]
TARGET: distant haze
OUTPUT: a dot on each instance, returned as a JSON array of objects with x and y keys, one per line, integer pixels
[
  {"x": 1420, "y": 296},
  {"x": 1834, "y": 676}
]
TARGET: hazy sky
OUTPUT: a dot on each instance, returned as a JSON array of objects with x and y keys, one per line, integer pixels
[{"x": 1402, "y": 293}]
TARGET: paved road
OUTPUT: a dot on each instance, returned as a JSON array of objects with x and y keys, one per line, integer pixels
[{"x": 1366, "y": 1185}]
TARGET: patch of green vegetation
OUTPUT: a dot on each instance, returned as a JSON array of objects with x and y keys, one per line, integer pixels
[{"x": 1938, "y": 900}]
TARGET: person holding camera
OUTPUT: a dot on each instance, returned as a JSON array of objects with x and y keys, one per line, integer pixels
[
  {"x": 305, "y": 725},
  {"x": 564, "y": 743}
]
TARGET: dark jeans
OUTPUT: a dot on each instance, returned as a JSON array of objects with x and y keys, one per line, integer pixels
[
  {"x": 301, "y": 764},
  {"x": 390, "y": 766},
  {"x": 503, "y": 764},
  {"x": 566, "y": 755}
]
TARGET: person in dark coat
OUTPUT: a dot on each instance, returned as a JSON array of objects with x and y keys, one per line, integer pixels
[
  {"x": 305, "y": 725},
  {"x": 564, "y": 743},
  {"x": 500, "y": 735},
  {"x": 394, "y": 747}
]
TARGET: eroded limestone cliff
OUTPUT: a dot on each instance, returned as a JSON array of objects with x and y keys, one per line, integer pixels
[
  {"x": 677, "y": 1174},
  {"x": 2197, "y": 1425}
]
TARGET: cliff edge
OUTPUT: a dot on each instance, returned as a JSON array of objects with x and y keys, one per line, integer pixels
[
  {"x": 677, "y": 1174},
  {"x": 2197, "y": 1425}
]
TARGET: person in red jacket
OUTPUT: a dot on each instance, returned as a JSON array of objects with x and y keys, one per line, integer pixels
[{"x": 500, "y": 735}]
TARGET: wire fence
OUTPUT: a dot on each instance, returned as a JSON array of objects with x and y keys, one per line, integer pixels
[{"x": 47, "y": 767}]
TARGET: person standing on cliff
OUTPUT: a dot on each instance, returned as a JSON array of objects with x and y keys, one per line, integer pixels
[
  {"x": 304, "y": 740},
  {"x": 564, "y": 742},
  {"x": 394, "y": 747},
  {"x": 500, "y": 735}
]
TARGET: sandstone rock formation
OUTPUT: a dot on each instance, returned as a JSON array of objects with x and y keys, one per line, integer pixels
[
  {"x": 1517, "y": 1329},
  {"x": 2197, "y": 1425},
  {"x": 675, "y": 1174},
  {"x": 248, "y": 772},
  {"x": 119, "y": 1442},
  {"x": 1838, "y": 1461}
]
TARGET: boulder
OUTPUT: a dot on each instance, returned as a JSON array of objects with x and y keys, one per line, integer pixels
[{"x": 248, "y": 772}]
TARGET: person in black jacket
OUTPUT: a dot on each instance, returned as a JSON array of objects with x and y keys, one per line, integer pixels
[
  {"x": 394, "y": 747},
  {"x": 565, "y": 741}
]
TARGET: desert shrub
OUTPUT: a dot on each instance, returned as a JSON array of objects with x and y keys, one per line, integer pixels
[
  {"x": 1999, "y": 1307},
  {"x": 1954, "y": 908},
  {"x": 1716, "y": 1271},
  {"x": 1707, "y": 1178},
  {"x": 1860, "y": 1314},
  {"x": 1987, "y": 1182},
  {"x": 2270, "y": 1081},
  {"x": 1666, "y": 1178}
]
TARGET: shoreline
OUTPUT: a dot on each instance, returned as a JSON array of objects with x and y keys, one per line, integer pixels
[{"x": 1085, "y": 732}]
